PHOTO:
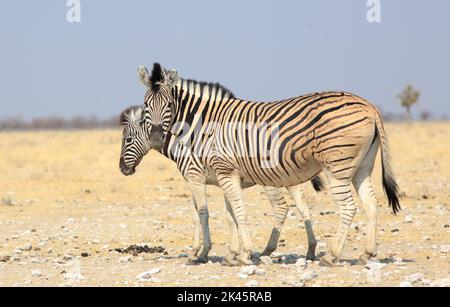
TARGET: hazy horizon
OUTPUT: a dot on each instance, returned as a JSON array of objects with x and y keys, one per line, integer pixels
[{"x": 261, "y": 50}]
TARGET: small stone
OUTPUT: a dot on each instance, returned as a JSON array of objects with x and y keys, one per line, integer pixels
[
  {"x": 413, "y": 278},
  {"x": 242, "y": 276},
  {"x": 266, "y": 260},
  {"x": 36, "y": 273},
  {"x": 67, "y": 257},
  {"x": 260, "y": 272},
  {"x": 408, "y": 219},
  {"x": 27, "y": 247},
  {"x": 147, "y": 275},
  {"x": 445, "y": 248},
  {"x": 4, "y": 258},
  {"x": 125, "y": 259},
  {"x": 301, "y": 262},
  {"x": 252, "y": 283},
  {"x": 73, "y": 276},
  {"x": 308, "y": 275},
  {"x": 84, "y": 255}
]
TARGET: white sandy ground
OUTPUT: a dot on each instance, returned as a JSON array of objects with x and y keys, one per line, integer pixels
[{"x": 61, "y": 195}]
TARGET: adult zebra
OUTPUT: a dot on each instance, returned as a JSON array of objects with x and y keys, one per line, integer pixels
[
  {"x": 335, "y": 132},
  {"x": 136, "y": 144}
]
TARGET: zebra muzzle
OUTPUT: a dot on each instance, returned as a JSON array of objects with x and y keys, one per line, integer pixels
[{"x": 124, "y": 169}]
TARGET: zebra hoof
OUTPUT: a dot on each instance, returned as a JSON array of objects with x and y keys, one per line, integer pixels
[
  {"x": 193, "y": 260},
  {"x": 364, "y": 258},
  {"x": 326, "y": 261},
  {"x": 311, "y": 256}
]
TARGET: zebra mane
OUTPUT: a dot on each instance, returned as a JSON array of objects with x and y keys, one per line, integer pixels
[
  {"x": 130, "y": 115},
  {"x": 156, "y": 76},
  {"x": 210, "y": 85}
]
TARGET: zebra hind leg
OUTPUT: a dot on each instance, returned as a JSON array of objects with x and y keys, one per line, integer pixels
[
  {"x": 231, "y": 186},
  {"x": 302, "y": 206},
  {"x": 234, "y": 247},
  {"x": 363, "y": 185},
  {"x": 342, "y": 194},
  {"x": 280, "y": 209}
]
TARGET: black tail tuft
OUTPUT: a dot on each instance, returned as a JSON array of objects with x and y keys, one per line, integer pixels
[
  {"x": 391, "y": 189},
  {"x": 318, "y": 183}
]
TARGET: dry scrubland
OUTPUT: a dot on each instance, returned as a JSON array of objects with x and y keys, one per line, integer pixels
[{"x": 62, "y": 195}]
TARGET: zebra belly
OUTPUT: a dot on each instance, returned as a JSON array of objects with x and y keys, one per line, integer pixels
[{"x": 282, "y": 175}]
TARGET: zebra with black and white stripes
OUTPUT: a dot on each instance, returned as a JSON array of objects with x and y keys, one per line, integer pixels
[
  {"x": 136, "y": 144},
  {"x": 280, "y": 144}
]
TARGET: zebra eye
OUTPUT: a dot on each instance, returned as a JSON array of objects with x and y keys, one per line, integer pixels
[{"x": 129, "y": 140}]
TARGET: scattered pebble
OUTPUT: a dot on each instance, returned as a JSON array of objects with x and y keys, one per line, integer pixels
[
  {"x": 249, "y": 270},
  {"x": 408, "y": 219},
  {"x": 252, "y": 283},
  {"x": 147, "y": 275},
  {"x": 36, "y": 273},
  {"x": 266, "y": 260},
  {"x": 125, "y": 259}
]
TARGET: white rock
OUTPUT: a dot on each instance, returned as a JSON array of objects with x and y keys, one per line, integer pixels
[
  {"x": 27, "y": 247},
  {"x": 301, "y": 262},
  {"x": 260, "y": 272},
  {"x": 445, "y": 248},
  {"x": 73, "y": 276},
  {"x": 242, "y": 276},
  {"x": 415, "y": 277},
  {"x": 252, "y": 283},
  {"x": 147, "y": 275},
  {"x": 70, "y": 221},
  {"x": 36, "y": 273},
  {"x": 125, "y": 259},
  {"x": 266, "y": 260},
  {"x": 67, "y": 257},
  {"x": 292, "y": 281},
  {"x": 405, "y": 284},
  {"x": 408, "y": 219},
  {"x": 308, "y": 275}
]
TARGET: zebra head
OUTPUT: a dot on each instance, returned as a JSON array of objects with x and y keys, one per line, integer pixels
[
  {"x": 135, "y": 142},
  {"x": 159, "y": 102}
]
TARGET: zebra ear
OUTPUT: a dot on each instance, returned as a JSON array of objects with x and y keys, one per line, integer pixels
[
  {"x": 144, "y": 76},
  {"x": 171, "y": 77}
]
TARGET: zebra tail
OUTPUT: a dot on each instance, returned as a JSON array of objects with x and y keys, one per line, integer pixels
[
  {"x": 318, "y": 184},
  {"x": 389, "y": 184}
]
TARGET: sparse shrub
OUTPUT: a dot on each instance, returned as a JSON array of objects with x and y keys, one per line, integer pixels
[{"x": 408, "y": 98}]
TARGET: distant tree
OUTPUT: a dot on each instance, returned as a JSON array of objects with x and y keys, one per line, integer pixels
[{"x": 408, "y": 98}]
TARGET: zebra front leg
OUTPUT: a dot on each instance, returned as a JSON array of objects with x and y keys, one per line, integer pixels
[
  {"x": 234, "y": 247},
  {"x": 200, "y": 252},
  {"x": 231, "y": 186},
  {"x": 280, "y": 209},
  {"x": 302, "y": 206},
  {"x": 196, "y": 246}
]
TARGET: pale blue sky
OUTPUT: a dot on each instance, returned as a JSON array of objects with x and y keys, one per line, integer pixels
[{"x": 262, "y": 50}]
